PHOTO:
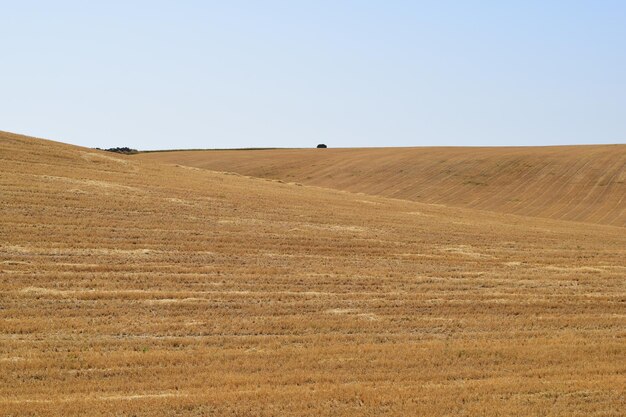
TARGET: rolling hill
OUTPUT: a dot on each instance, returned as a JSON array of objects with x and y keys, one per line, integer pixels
[
  {"x": 132, "y": 287},
  {"x": 579, "y": 183}
]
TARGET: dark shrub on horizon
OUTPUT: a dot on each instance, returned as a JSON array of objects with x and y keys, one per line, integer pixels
[{"x": 124, "y": 150}]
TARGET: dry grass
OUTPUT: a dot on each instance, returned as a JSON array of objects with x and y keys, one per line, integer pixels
[
  {"x": 580, "y": 183},
  {"x": 133, "y": 288}
]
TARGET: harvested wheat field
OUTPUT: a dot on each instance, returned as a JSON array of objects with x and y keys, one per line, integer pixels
[
  {"x": 136, "y": 288},
  {"x": 581, "y": 183}
]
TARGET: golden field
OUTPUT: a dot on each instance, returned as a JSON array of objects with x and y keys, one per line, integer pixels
[
  {"x": 580, "y": 183},
  {"x": 129, "y": 287}
]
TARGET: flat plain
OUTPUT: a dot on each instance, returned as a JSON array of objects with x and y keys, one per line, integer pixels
[
  {"x": 580, "y": 183},
  {"x": 133, "y": 287}
]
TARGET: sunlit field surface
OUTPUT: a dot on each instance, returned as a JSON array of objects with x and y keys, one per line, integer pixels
[
  {"x": 580, "y": 183},
  {"x": 132, "y": 287}
]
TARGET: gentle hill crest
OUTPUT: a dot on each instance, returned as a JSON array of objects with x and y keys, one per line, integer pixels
[{"x": 579, "y": 183}]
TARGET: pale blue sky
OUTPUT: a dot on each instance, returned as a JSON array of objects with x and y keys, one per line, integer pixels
[{"x": 219, "y": 74}]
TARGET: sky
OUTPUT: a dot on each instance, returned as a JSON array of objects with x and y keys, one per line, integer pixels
[{"x": 231, "y": 74}]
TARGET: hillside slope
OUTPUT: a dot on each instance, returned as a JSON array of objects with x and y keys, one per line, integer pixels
[
  {"x": 134, "y": 288},
  {"x": 580, "y": 183}
]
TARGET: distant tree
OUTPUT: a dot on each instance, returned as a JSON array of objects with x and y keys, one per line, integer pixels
[
  {"x": 125, "y": 150},
  {"x": 321, "y": 145}
]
